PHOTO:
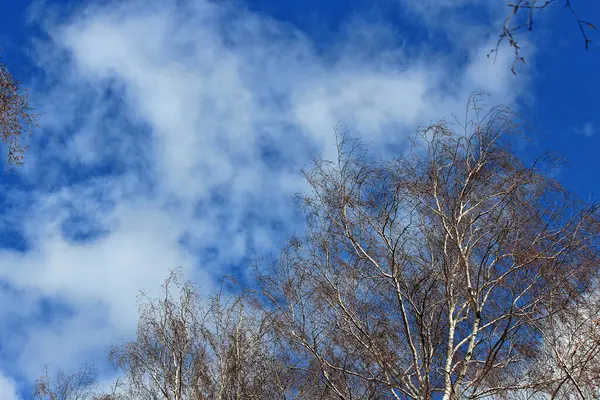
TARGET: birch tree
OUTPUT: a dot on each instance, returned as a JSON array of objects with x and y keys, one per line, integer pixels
[
  {"x": 16, "y": 116},
  {"x": 430, "y": 275}
]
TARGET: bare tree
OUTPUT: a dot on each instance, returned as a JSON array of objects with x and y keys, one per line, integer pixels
[
  {"x": 76, "y": 385},
  {"x": 521, "y": 17},
  {"x": 79, "y": 384},
  {"x": 200, "y": 348},
  {"x": 16, "y": 115},
  {"x": 430, "y": 275},
  {"x": 454, "y": 271}
]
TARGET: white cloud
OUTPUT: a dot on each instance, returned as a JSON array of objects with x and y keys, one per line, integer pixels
[
  {"x": 8, "y": 389},
  {"x": 185, "y": 125}
]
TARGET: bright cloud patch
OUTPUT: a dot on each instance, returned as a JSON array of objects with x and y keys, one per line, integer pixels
[
  {"x": 8, "y": 389},
  {"x": 174, "y": 135}
]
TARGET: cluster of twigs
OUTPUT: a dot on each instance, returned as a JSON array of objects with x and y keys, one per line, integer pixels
[{"x": 513, "y": 24}]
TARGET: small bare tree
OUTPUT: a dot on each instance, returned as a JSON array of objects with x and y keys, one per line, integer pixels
[
  {"x": 16, "y": 115},
  {"x": 76, "y": 385},
  {"x": 430, "y": 275},
  {"x": 200, "y": 348},
  {"x": 79, "y": 384}
]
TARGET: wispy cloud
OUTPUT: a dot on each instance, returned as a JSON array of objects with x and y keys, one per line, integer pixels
[
  {"x": 174, "y": 134},
  {"x": 588, "y": 129}
]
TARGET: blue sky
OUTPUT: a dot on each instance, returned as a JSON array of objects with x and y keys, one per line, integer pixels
[{"x": 173, "y": 133}]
